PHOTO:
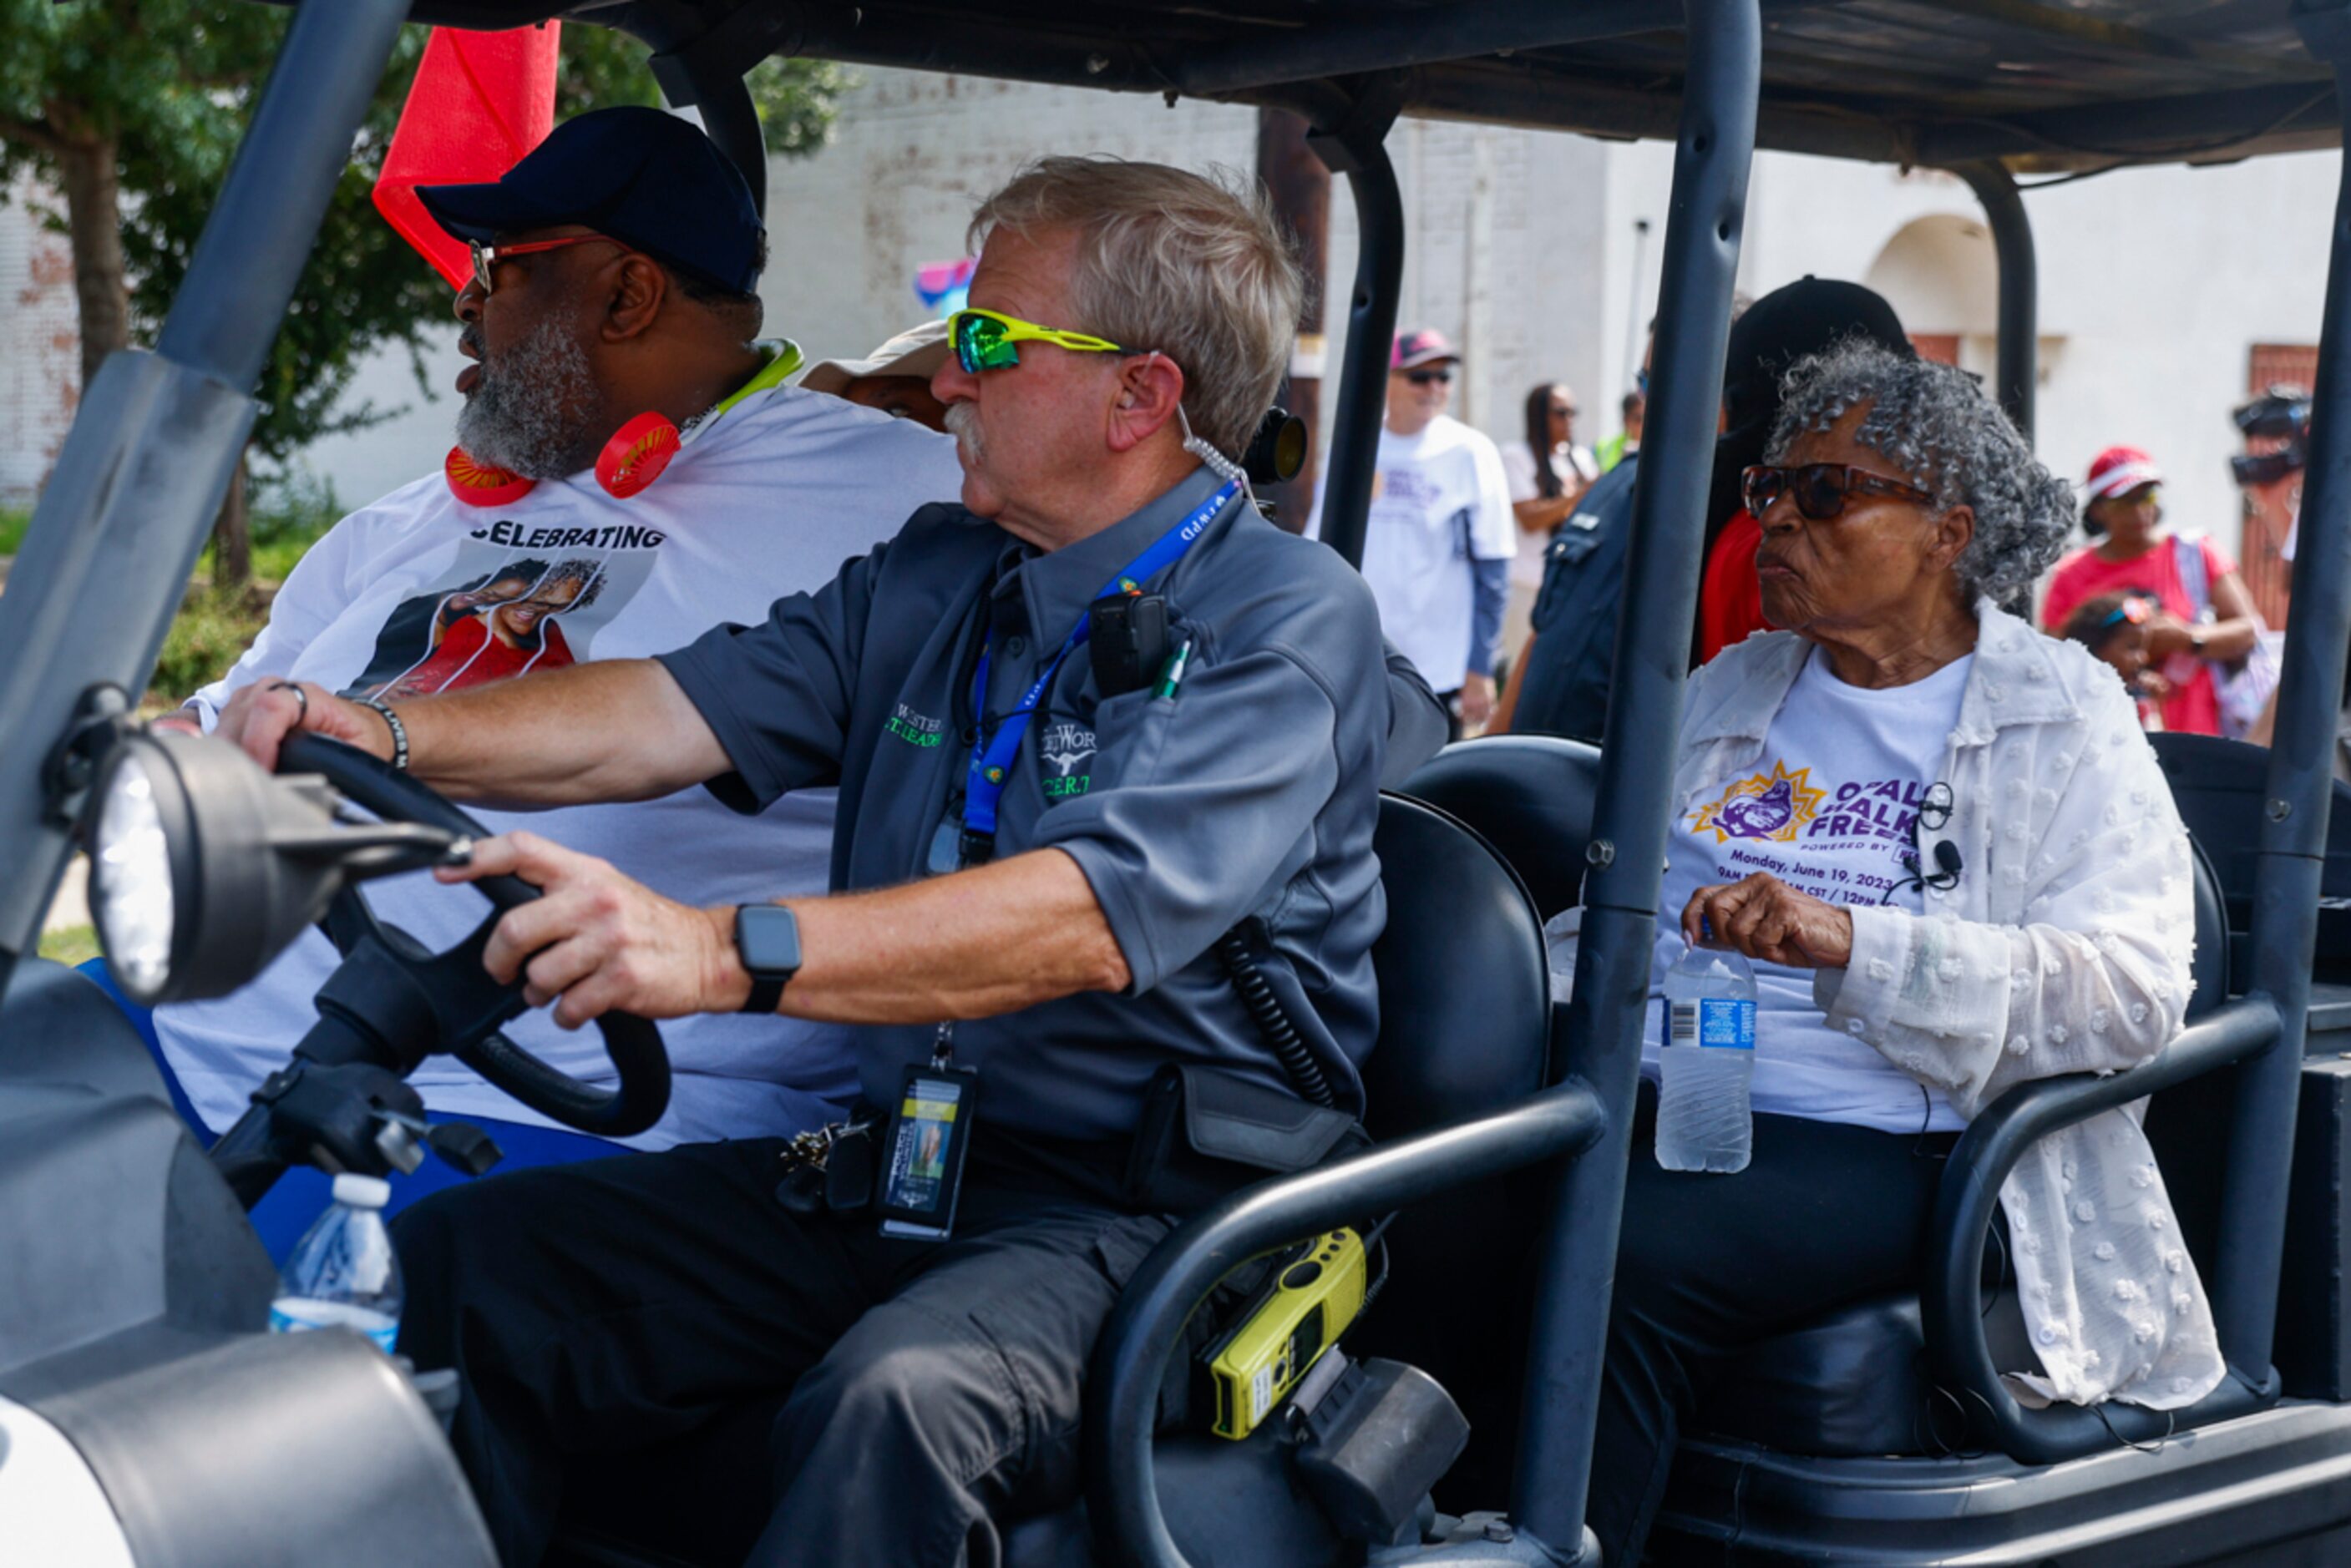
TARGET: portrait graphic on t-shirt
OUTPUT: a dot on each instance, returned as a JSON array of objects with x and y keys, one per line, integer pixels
[{"x": 500, "y": 612}]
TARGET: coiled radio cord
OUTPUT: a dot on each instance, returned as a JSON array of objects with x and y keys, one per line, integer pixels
[{"x": 1234, "y": 951}]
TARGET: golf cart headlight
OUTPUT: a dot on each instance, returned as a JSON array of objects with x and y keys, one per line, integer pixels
[
  {"x": 203, "y": 867},
  {"x": 130, "y": 881}
]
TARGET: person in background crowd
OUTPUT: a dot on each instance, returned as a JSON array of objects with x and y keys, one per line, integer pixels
[
  {"x": 1627, "y": 439},
  {"x": 2113, "y": 626},
  {"x": 1786, "y": 324},
  {"x": 896, "y": 378},
  {"x": 1439, "y": 537},
  {"x": 2207, "y": 617},
  {"x": 1543, "y": 491}
]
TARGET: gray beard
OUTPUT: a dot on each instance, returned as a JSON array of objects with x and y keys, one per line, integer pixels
[
  {"x": 963, "y": 423},
  {"x": 527, "y": 415}
]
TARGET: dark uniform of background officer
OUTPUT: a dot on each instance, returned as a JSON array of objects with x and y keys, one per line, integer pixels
[{"x": 934, "y": 1386}]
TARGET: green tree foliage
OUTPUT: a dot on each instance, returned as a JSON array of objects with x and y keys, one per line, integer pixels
[{"x": 126, "y": 113}]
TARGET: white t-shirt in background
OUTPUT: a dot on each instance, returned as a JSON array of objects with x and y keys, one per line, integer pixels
[
  {"x": 1519, "y": 470},
  {"x": 419, "y": 593},
  {"x": 1827, "y": 810},
  {"x": 1438, "y": 501}
]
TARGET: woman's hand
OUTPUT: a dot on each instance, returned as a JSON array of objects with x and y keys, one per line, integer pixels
[
  {"x": 1769, "y": 921},
  {"x": 2165, "y": 635}
]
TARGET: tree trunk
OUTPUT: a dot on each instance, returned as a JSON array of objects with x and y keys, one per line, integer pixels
[
  {"x": 233, "y": 538},
  {"x": 86, "y": 166}
]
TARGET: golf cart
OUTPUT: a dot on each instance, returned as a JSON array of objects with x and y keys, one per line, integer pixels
[{"x": 145, "y": 1419}]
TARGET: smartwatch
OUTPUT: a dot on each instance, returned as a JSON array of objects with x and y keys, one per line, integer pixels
[{"x": 767, "y": 939}]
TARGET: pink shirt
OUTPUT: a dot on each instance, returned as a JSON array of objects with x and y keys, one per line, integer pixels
[{"x": 2194, "y": 706}]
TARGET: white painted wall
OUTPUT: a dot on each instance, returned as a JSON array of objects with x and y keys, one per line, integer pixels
[{"x": 40, "y": 356}]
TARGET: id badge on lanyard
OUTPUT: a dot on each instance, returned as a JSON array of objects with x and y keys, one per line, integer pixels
[
  {"x": 931, "y": 1128},
  {"x": 933, "y": 1121}
]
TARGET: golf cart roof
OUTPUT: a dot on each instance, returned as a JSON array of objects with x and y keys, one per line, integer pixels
[{"x": 2044, "y": 86}]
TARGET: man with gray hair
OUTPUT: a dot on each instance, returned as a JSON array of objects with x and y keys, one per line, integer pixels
[{"x": 1107, "y": 741}]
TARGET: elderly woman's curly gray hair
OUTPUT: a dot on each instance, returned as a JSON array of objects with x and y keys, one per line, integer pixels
[{"x": 1933, "y": 423}]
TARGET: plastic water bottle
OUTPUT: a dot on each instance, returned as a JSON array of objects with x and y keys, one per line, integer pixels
[
  {"x": 342, "y": 1272},
  {"x": 1709, "y": 1059}
]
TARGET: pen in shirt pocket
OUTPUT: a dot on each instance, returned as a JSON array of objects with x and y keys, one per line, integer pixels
[{"x": 1171, "y": 675}]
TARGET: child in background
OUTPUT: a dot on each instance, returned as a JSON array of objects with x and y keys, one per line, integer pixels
[{"x": 2113, "y": 627}]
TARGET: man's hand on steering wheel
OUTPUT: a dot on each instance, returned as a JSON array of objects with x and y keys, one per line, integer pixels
[
  {"x": 596, "y": 941},
  {"x": 260, "y": 716}
]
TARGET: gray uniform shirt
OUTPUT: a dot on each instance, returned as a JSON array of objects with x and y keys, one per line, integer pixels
[{"x": 1254, "y": 791}]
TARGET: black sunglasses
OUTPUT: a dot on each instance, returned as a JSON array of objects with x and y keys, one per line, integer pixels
[
  {"x": 1820, "y": 490},
  {"x": 1428, "y": 377}
]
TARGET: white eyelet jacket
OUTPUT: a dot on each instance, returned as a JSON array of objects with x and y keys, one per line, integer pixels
[{"x": 2064, "y": 947}]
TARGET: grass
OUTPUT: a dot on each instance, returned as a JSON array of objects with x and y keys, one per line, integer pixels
[
  {"x": 71, "y": 944},
  {"x": 12, "y": 530},
  {"x": 211, "y": 631}
]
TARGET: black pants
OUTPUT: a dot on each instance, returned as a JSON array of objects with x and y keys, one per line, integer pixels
[
  {"x": 606, "y": 1306},
  {"x": 1823, "y": 1215}
]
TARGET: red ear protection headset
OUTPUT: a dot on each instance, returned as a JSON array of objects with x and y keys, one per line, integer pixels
[{"x": 632, "y": 459}]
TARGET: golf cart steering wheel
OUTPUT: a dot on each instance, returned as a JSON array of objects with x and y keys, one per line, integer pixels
[{"x": 470, "y": 1004}]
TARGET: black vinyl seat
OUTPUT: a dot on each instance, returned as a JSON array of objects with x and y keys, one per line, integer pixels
[
  {"x": 1531, "y": 797},
  {"x": 1465, "y": 1020}
]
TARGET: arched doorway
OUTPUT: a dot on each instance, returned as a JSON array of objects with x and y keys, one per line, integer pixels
[{"x": 1942, "y": 276}]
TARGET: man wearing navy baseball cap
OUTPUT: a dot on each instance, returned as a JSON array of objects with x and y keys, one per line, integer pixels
[
  {"x": 614, "y": 270},
  {"x": 623, "y": 254}
]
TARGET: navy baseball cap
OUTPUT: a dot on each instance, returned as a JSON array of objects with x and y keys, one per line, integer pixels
[{"x": 650, "y": 180}]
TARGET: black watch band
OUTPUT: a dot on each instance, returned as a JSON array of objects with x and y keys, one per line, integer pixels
[{"x": 767, "y": 941}]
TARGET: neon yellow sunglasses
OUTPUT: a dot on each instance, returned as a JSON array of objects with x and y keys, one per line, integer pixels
[{"x": 988, "y": 341}]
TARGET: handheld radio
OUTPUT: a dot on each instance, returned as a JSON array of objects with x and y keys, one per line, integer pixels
[{"x": 1312, "y": 1299}]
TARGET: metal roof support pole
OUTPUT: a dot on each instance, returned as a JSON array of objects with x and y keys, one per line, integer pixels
[
  {"x": 722, "y": 96},
  {"x": 1357, "y": 148},
  {"x": 2019, "y": 287},
  {"x": 2296, "y": 800},
  {"x": 157, "y": 436},
  {"x": 1603, "y": 1033}
]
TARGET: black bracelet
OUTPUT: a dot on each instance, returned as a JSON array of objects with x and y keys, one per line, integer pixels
[{"x": 399, "y": 730}]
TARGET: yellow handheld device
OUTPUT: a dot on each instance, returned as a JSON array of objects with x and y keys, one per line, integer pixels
[{"x": 1309, "y": 1303}]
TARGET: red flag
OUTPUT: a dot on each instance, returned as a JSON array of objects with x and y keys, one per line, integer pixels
[{"x": 479, "y": 103}]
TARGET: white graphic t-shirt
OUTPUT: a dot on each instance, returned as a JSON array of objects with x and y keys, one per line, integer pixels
[
  {"x": 420, "y": 594},
  {"x": 1828, "y": 810},
  {"x": 1438, "y": 501}
]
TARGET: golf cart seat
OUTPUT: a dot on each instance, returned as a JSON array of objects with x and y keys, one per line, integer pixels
[
  {"x": 1530, "y": 797},
  {"x": 1854, "y": 1382},
  {"x": 2220, "y": 786},
  {"x": 1465, "y": 1011}
]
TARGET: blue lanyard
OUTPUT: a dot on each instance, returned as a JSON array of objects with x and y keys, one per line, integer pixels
[{"x": 991, "y": 765}]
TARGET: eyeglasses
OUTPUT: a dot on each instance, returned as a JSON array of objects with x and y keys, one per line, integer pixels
[
  {"x": 488, "y": 257},
  {"x": 1820, "y": 490},
  {"x": 1429, "y": 378},
  {"x": 989, "y": 340}
]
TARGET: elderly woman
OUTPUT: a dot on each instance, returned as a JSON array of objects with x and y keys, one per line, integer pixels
[{"x": 1901, "y": 992}]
